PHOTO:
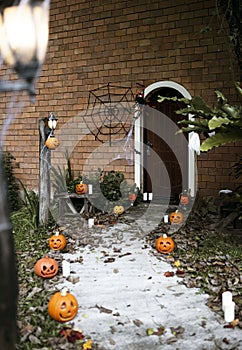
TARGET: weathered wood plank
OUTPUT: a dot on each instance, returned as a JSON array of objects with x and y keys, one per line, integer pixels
[{"x": 44, "y": 176}]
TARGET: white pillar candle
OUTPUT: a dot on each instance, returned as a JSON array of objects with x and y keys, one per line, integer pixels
[
  {"x": 150, "y": 196},
  {"x": 166, "y": 219},
  {"x": 66, "y": 268},
  {"x": 226, "y": 298},
  {"x": 145, "y": 196},
  {"x": 90, "y": 222},
  {"x": 90, "y": 188},
  {"x": 229, "y": 311}
]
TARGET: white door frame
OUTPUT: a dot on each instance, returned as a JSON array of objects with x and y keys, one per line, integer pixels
[{"x": 192, "y": 173}]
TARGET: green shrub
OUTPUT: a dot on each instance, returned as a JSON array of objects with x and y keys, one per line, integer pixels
[
  {"x": 13, "y": 188},
  {"x": 27, "y": 217}
]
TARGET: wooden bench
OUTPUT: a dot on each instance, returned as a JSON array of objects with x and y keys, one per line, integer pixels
[{"x": 66, "y": 206}]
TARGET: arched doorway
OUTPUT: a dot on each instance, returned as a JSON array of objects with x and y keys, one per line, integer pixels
[{"x": 166, "y": 165}]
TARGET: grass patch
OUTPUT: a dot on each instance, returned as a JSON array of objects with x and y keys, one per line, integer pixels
[{"x": 36, "y": 328}]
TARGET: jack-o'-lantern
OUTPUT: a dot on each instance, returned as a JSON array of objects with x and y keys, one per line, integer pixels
[
  {"x": 46, "y": 267},
  {"x": 63, "y": 306},
  {"x": 52, "y": 142},
  {"x": 118, "y": 209},
  {"x": 176, "y": 217},
  {"x": 184, "y": 200},
  {"x": 57, "y": 241},
  {"x": 165, "y": 244},
  {"x": 132, "y": 197},
  {"x": 81, "y": 188}
]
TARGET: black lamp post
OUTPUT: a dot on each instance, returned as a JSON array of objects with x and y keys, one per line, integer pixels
[
  {"x": 23, "y": 44},
  {"x": 52, "y": 122},
  {"x": 23, "y": 41}
]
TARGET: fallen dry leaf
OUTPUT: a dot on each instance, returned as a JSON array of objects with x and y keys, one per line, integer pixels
[
  {"x": 138, "y": 323},
  {"x": 71, "y": 335},
  {"x": 177, "y": 263},
  {"x": 169, "y": 274},
  {"x": 109, "y": 260},
  {"x": 180, "y": 273},
  {"x": 104, "y": 309},
  {"x": 120, "y": 256}
]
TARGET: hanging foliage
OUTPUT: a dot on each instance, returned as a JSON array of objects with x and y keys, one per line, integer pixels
[{"x": 219, "y": 124}]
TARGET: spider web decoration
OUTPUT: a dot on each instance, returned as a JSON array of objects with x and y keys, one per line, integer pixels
[{"x": 110, "y": 112}]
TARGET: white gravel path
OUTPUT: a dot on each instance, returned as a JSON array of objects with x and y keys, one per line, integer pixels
[{"x": 122, "y": 292}]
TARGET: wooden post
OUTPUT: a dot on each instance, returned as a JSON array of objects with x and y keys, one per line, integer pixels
[
  {"x": 44, "y": 175},
  {"x": 8, "y": 280}
]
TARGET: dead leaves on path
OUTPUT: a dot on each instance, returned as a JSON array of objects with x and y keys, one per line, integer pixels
[{"x": 204, "y": 261}]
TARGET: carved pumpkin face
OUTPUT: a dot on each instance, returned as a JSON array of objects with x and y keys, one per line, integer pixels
[
  {"x": 46, "y": 267},
  {"x": 63, "y": 306},
  {"x": 184, "y": 200},
  {"x": 165, "y": 244},
  {"x": 118, "y": 209},
  {"x": 176, "y": 217},
  {"x": 132, "y": 197},
  {"x": 52, "y": 142},
  {"x": 57, "y": 241},
  {"x": 81, "y": 188}
]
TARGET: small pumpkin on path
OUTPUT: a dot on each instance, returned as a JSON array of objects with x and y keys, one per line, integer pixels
[{"x": 165, "y": 244}]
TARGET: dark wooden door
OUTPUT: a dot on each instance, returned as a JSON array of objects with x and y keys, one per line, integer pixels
[{"x": 165, "y": 154}]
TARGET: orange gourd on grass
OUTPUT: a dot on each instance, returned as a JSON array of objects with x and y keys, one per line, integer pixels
[
  {"x": 132, "y": 197},
  {"x": 184, "y": 199},
  {"x": 118, "y": 209},
  {"x": 46, "y": 267},
  {"x": 63, "y": 306},
  {"x": 165, "y": 244},
  {"x": 57, "y": 241},
  {"x": 176, "y": 217}
]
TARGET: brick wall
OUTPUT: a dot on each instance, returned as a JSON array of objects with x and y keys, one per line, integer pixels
[{"x": 124, "y": 42}]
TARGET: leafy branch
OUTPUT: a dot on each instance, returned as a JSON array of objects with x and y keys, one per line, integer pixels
[{"x": 219, "y": 125}]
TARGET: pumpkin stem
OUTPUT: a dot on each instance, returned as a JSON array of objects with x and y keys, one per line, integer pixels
[{"x": 64, "y": 292}]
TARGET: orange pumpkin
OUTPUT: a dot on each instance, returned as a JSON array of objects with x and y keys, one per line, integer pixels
[
  {"x": 118, "y": 209},
  {"x": 81, "y": 188},
  {"x": 46, "y": 267},
  {"x": 52, "y": 142},
  {"x": 132, "y": 197},
  {"x": 57, "y": 241},
  {"x": 63, "y": 306},
  {"x": 165, "y": 244},
  {"x": 176, "y": 217},
  {"x": 184, "y": 200}
]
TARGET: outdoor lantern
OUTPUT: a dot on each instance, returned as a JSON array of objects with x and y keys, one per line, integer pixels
[
  {"x": 24, "y": 37},
  {"x": 52, "y": 121}
]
